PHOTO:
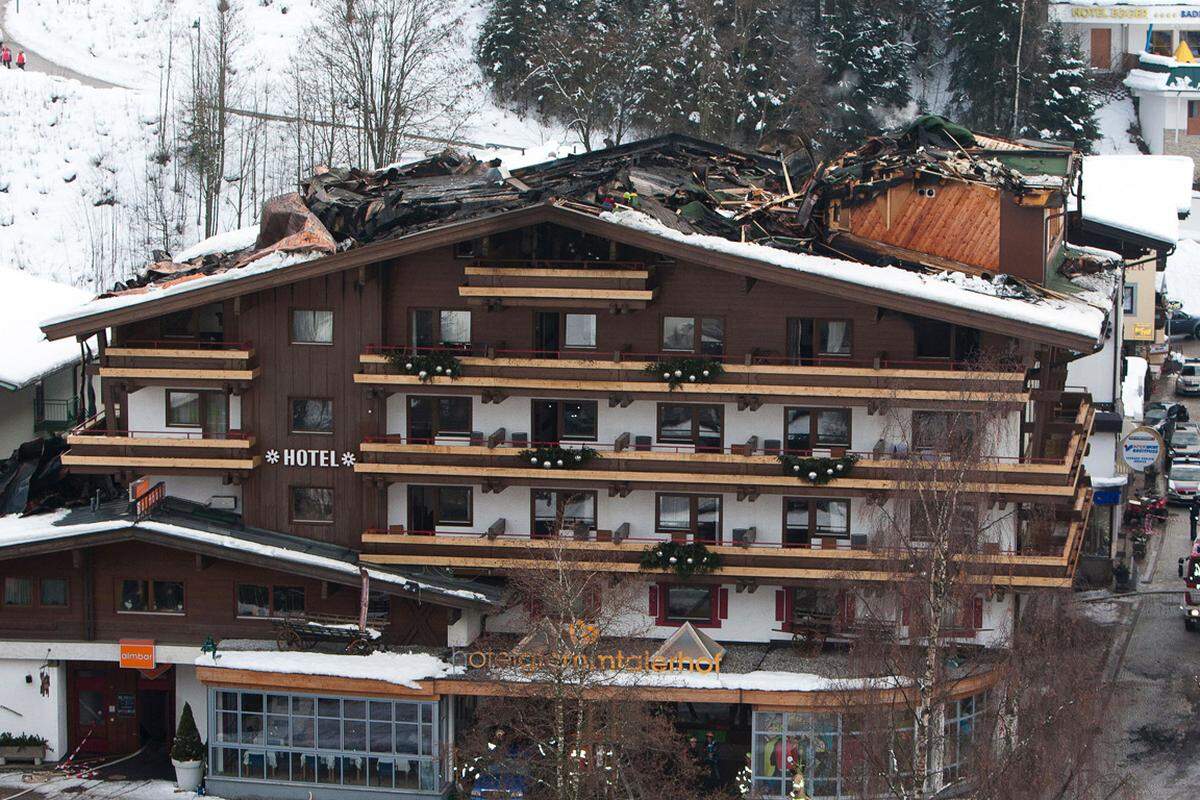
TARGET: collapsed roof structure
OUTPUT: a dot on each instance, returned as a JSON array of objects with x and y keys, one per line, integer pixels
[{"x": 784, "y": 212}]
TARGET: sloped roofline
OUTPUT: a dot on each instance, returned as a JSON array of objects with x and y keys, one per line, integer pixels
[{"x": 444, "y": 235}]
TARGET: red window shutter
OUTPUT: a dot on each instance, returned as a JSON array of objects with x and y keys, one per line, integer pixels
[
  {"x": 904, "y": 613},
  {"x": 654, "y": 600},
  {"x": 977, "y": 612},
  {"x": 848, "y": 609},
  {"x": 723, "y": 603},
  {"x": 781, "y": 605}
]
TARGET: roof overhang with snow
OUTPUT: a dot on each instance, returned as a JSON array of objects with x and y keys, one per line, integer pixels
[
  {"x": 25, "y": 537},
  {"x": 1076, "y": 326},
  {"x": 1136, "y": 198}
]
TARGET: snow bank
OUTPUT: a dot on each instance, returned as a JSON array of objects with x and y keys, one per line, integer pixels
[
  {"x": 402, "y": 669},
  {"x": 1181, "y": 280},
  {"x": 1133, "y": 388},
  {"x": 27, "y": 355},
  {"x": 1114, "y": 119},
  {"x": 1138, "y": 193},
  {"x": 952, "y": 289}
]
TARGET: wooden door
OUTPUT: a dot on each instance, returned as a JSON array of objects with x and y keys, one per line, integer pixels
[
  {"x": 103, "y": 712},
  {"x": 1102, "y": 48}
]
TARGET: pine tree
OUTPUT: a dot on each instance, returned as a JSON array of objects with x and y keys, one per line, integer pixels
[
  {"x": 508, "y": 39},
  {"x": 187, "y": 745},
  {"x": 1062, "y": 106},
  {"x": 994, "y": 43},
  {"x": 867, "y": 62}
]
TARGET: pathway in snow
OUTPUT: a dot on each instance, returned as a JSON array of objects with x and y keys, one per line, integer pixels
[{"x": 38, "y": 63}]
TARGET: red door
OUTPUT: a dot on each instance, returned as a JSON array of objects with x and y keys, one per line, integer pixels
[{"x": 92, "y": 698}]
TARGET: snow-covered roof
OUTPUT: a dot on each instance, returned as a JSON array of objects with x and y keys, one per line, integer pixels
[
  {"x": 1140, "y": 194},
  {"x": 1181, "y": 279},
  {"x": 402, "y": 669},
  {"x": 228, "y": 242},
  {"x": 16, "y": 530},
  {"x": 950, "y": 288},
  {"x": 27, "y": 355}
]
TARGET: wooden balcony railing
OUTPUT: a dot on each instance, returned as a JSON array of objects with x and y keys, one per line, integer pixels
[
  {"x": 95, "y": 448},
  {"x": 581, "y": 284},
  {"x": 746, "y": 554},
  {"x": 174, "y": 361},
  {"x": 749, "y": 380},
  {"x": 748, "y": 469}
]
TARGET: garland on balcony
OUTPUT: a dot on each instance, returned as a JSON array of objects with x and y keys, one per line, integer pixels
[
  {"x": 678, "y": 371},
  {"x": 555, "y": 457},
  {"x": 427, "y": 366},
  {"x": 682, "y": 558},
  {"x": 817, "y": 469}
]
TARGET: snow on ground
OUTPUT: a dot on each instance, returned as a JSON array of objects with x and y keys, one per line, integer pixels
[
  {"x": 26, "y": 355},
  {"x": 48, "y": 784},
  {"x": 69, "y": 152},
  {"x": 1114, "y": 118},
  {"x": 1182, "y": 276}
]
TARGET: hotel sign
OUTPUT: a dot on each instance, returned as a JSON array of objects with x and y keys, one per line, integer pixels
[
  {"x": 1068, "y": 12},
  {"x": 291, "y": 457},
  {"x": 136, "y": 654},
  {"x": 617, "y": 661}
]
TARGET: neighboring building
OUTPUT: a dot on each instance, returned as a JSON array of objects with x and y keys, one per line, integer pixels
[
  {"x": 263, "y": 407},
  {"x": 1112, "y": 32},
  {"x": 40, "y": 380}
]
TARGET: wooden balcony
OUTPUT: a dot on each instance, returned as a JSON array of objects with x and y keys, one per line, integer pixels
[
  {"x": 181, "y": 362},
  {"x": 749, "y": 381},
  {"x": 615, "y": 285},
  {"x": 97, "y": 449},
  {"x": 751, "y": 560}
]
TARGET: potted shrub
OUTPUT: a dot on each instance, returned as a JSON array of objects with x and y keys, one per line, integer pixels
[
  {"x": 187, "y": 752},
  {"x": 22, "y": 747}
]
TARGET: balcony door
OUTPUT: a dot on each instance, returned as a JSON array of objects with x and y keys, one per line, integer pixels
[{"x": 546, "y": 339}]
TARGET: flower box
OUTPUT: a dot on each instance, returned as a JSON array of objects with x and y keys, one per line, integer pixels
[{"x": 26, "y": 752}]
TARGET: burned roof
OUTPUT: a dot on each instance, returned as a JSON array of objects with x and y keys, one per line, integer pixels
[{"x": 679, "y": 184}]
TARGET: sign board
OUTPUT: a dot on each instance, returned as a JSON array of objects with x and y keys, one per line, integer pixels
[
  {"x": 137, "y": 654},
  {"x": 1122, "y": 13},
  {"x": 1106, "y": 497},
  {"x": 126, "y": 704},
  {"x": 1142, "y": 448},
  {"x": 291, "y": 457}
]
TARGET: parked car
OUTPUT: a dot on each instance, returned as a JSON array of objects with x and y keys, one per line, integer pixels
[
  {"x": 1163, "y": 417},
  {"x": 1182, "y": 323},
  {"x": 1183, "y": 481},
  {"x": 1185, "y": 442},
  {"x": 1187, "y": 381}
]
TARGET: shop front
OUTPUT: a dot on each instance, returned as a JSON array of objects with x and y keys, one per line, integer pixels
[{"x": 115, "y": 708}]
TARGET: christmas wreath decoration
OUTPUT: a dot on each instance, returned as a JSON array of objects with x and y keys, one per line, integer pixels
[
  {"x": 427, "y": 366},
  {"x": 555, "y": 457},
  {"x": 678, "y": 371},
  {"x": 818, "y": 469},
  {"x": 683, "y": 558}
]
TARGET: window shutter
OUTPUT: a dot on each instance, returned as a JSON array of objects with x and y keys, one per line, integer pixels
[
  {"x": 904, "y": 613},
  {"x": 654, "y": 600},
  {"x": 848, "y": 609},
  {"x": 977, "y": 612},
  {"x": 723, "y": 603},
  {"x": 781, "y": 605}
]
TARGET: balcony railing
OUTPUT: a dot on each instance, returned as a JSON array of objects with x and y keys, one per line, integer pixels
[
  {"x": 745, "y": 553},
  {"x": 96, "y": 448},
  {"x": 581, "y": 284},
  {"x": 168, "y": 361},
  {"x": 749, "y": 379}
]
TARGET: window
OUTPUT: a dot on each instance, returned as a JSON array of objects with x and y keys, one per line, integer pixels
[
  {"x": 936, "y": 339},
  {"x": 689, "y": 604},
  {"x": 694, "y": 335},
  {"x": 808, "y": 428},
  {"x": 269, "y": 601},
  {"x": 18, "y": 592},
  {"x": 926, "y": 519},
  {"x": 688, "y": 424},
  {"x": 54, "y": 592},
  {"x": 684, "y": 515},
  {"x": 204, "y": 323},
  {"x": 431, "y": 417},
  {"x": 1160, "y": 42},
  {"x": 432, "y": 506},
  {"x": 1129, "y": 299},
  {"x": 824, "y": 747},
  {"x": 963, "y": 720},
  {"x": 571, "y": 507},
  {"x": 579, "y": 330},
  {"x": 312, "y": 504},
  {"x": 943, "y": 431},
  {"x": 177, "y": 325},
  {"x": 564, "y": 420},
  {"x": 808, "y": 518},
  {"x": 312, "y": 326},
  {"x": 808, "y": 339},
  {"x": 208, "y": 411},
  {"x": 312, "y": 415},
  {"x": 352, "y": 741},
  {"x": 151, "y": 597},
  {"x": 434, "y": 328}
]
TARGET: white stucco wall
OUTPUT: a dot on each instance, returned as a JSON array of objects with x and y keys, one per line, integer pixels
[
  {"x": 200, "y": 489},
  {"x": 188, "y": 689},
  {"x": 23, "y": 709}
]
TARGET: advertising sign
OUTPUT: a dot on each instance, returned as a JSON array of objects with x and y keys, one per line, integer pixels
[
  {"x": 137, "y": 653},
  {"x": 1142, "y": 449}
]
